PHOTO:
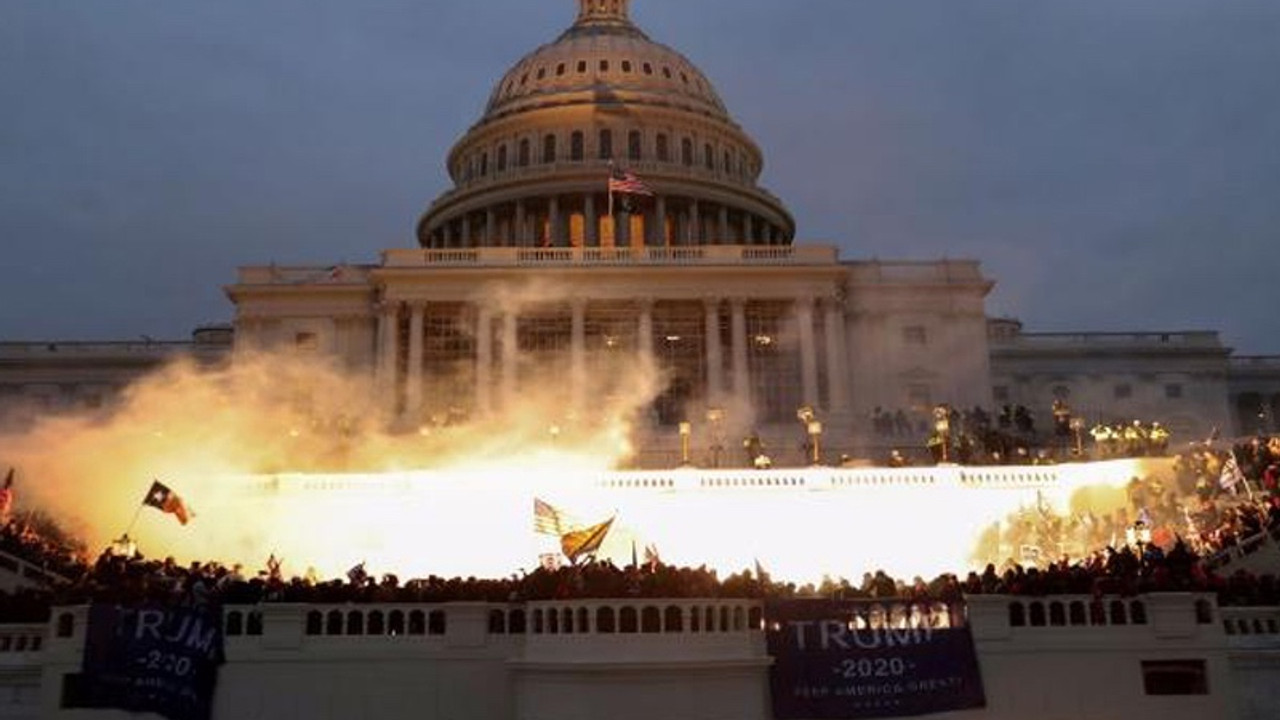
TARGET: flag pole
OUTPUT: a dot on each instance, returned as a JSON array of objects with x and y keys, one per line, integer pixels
[{"x": 134, "y": 521}]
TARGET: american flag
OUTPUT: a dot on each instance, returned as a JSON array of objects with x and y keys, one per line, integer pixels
[
  {"x": 546, "y": 519},
  {"x": 625, "y": 182}
]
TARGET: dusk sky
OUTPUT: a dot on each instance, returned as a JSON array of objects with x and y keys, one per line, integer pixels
[{"x": 1114, "y": 164}]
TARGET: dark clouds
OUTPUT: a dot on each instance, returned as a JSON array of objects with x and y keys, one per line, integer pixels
[{"x": 1115, "y": 164}]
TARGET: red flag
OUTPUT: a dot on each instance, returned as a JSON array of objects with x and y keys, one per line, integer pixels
[{"x": 162, "y": 498}]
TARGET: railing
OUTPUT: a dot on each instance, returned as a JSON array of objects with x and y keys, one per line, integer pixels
[
  {"x": 1252, "y": 621},
  {"x": 305, "y": 275},
  {"x": 22, "y": 638},
  {"x": 1255, "y": 362},
  {"x": 577, "y": 256},
  {"x": 906, "y": 271},
  {"x": 1195, "y": 338},
  {"x": 22, "y": 350}
]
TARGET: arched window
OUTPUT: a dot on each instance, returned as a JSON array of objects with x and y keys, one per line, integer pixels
[
  {"x": 627, "y": 620},
  {"x": 559, "y": 69},
  {"x": 333, "y": 623},
  {"x": 67, "y": 625},
  {"x": 582, "y": 66},
  {"x": 1057, "y": 614},
  {"x": 395, "y": 622},
  {"x": 755, "y": 619},
  {"x": 516, "y": 622},
  {"x": 575, "y": 146},
  {"x": 660, "y": 147},
  {"x": 502, "y": 158},
  {"x": 315, "y": 623},
  {"x": 1076, "y": 611},
  {"x": 355, "y": 623},
  {"x": 235, "y": 623},
  {"x": 497, "y": 622},
  {"x": 633, "y": 145},
  {"x": 626, "y": 66},
  {"x": 537, "y": 622},
  {"x": 549, "y": 149},
  {"x": 523, "y": 156},
  {"x": 417, "y": 623},
  {"x": 553, "y": 621},
  {"x": 650, "y": 620},
  {"x": 566, "y": 623},
  {"x": 583, "y": 616},
  {"x": 376, "y": 624},
  {"x": 253, "y": 625},
  {"x": 686, "y": 151},
  {"x": 604, "y": 620},
  {"x": 1138, "y": 612},
  {"x": 606, "y": 144},
  {"x": 1119, "y": 615},
  {"x": 709, "y": 156},
  {"x": 604, "y": 66},
  {"x": 648, "y": 69},
  {"x": 673, "y": 622}
]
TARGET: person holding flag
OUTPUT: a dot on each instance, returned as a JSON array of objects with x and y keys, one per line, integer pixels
[{"x": 6, "y": 496}]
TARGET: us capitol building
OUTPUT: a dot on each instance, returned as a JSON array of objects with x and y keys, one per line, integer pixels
[{"x": 529, "y": 269}]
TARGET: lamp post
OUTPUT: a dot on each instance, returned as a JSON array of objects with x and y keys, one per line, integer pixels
[
  {"x": 1077, "y": 432},
  {"x": 715, "y": 416},
  {"x": 815, "y": 435},
  {"x": 942, "y": 425},
  {"x": 686, "y": 430}
]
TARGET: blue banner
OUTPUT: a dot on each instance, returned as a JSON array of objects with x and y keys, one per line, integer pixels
[
  {"x": 150, "y": 659},
  {"x": 870, "y": 659}
]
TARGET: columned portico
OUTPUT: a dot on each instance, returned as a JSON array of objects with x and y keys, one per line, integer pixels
[
  {"x": 413, "y": 393},
  {"x": 484, "y": 360},
  {"x": 837, "y": 353},
  {"x": 715, "y": 355},
  {"x": 808, "y": 352},
  {"x": 738, "y": 330}
]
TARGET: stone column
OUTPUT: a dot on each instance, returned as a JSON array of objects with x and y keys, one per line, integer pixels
[
  {"x": 808, "y": 352},
  {"x": 578, "y": 354},
  {"x": 738, "y": 327},
  {"x": 413, "y": 403},
  {"x": 522, "y": 230},
  {"x": 390, "y": 351},
  {"x": 592, "y": 234},
  {"x": 723, "y": 230},
  {"x": 748, "y": 229},
  {"x": 695, "y": 224},
  {"x": 622, "y": 229},
  {"x": 660, "y": 222},
  {"x": 557, "y": 238},
  {"x": 837, "y": 357},
  {"x": 644, "y": 339},
  {"x": 484, "y": 361},
  {"x": 715, "y": 355},
  {"x": 466, "y": 231},
  {"x": 450, "y": 235},
  {"x": 489, "y": 228},
  {"x": 510, "y": 355}
]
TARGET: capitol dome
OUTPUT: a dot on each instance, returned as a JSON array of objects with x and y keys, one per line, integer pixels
[{"x": 604, "y": 99}]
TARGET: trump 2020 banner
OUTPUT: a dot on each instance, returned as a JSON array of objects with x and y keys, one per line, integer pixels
[
  {"x": 870, "y": 659},
  {"x": 150, "y": 659}
]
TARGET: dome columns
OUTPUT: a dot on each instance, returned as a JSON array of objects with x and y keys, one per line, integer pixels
[{"x": 582, "y": 220}]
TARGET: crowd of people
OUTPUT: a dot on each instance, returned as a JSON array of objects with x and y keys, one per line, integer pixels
[
  {"x": 1010, "y": 435},
  {"x": 1173, "y": 534}
]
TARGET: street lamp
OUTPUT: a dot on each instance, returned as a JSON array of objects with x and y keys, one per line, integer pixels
[
  {"x": 942, "y": 425},
  {"x": 715, "y": 416},
  {"x": 686, "y": 429},
  {"x": 1077, "y": 432},
  {"x": 815, "y": 434}
]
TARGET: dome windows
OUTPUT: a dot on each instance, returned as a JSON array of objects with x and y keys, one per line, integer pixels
[
  {"x": 686, "y": 152},
  {"x": 522, "y": 157},
  {"x": 604, "y": 66},
  {"x": 626, "y": 66},
  {"x": 648, "y": 68},
  {"x": 709, "y": 156},
  {"x": 633, "y": 145},
  {"x": 575, "y": 146},
  {"x": 549, "y": 149},
  {"x": 660, "y": 147},
  {"x": 666, "y": 72},
  {"x": 559, "y": 69},
  {"x": 524, "y": 79},
  {"x": 606, "y": 144},
  {"x": 542, "y": 73},
  {"x": 502, "y": 158},
  {"x": 582, "y": 67}
]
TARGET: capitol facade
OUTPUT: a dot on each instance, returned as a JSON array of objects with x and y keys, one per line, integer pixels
[{"x": 533, "y": 269}]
